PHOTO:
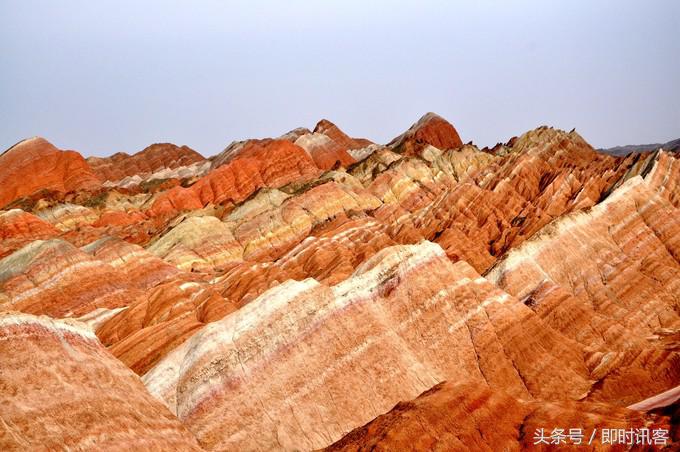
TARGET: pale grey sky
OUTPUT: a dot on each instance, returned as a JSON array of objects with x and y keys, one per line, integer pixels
[{"x": 106, "y": 76}]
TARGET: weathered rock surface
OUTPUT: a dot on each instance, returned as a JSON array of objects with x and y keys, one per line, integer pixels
[
  {"x": 405, "y": 321},
  {"x": 341, "y": 138},
  {"x": 55, "y": 278},
  {"x": 258, "y": 291},
  {"x": 35, "y": 164},
  {"x": 151, "y": 159},
  {"x": 622, "y": 299},
  {"x": 326, "y": 153},
  {"x": 199, "y": 243},
  {"x": 272, "y": 164},
  {"x": 431, "y": 130},
  {"x": 18, "y": 228},
  {"x": 470, "y": 416},
  {"x": 62, "y": 390}
]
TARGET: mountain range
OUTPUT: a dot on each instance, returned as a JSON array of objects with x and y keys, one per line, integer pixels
[
  {"x": 317, "y": 290},
  {"x": 670, "y": 146}
]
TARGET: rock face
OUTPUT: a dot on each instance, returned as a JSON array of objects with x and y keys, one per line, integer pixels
[
  {"x": 151, "y": 159},
  {"x": 432, "y": 130},
  {"x": 18, "y": 228},
  {"x": 325, "y": 152},
  {"x": 466, "y": 416},
  {"x": 55, "y": 278},
  {"x": 291, "y": 290},
  {"x": 35, "y": 164},
  {"x": 272, "y": 164},
  {"x": 459, "y": 326},
  {"x": 73, "y": 394},
  {"x": 338, "y": 136}
]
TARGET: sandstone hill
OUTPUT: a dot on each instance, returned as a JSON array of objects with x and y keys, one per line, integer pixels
[{"x": 316, "y": 290}]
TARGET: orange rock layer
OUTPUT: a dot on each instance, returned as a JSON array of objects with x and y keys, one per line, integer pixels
[
  {"x": 35, "y": 164},
  {"x": 150, "y": 159},
  {"x": 466, "y": 416},
  {"x": 62, "y": 390},
  {"x": 539, "y": 278}
]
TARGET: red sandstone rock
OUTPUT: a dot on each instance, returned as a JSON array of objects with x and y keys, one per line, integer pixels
[
  {"x": 580, "y": 252},
  {"x": 431, "y": 129},
  {"x": 17, "y": 228},
  {"x": 326, "y": 153},
  {"x": 149, "y": 160},
  {"x": 405, "y": 320},
  {"x": 55, "y": 278},
  {"x": 338, "y": 136},
  {"x": 35, "y": 164},
  {"x": 62, "y": 390},
  {"x": 469, "y": 416},
  {"x": 273, "y": 164}
]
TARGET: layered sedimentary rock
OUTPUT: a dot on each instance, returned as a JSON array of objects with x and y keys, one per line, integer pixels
[
  {"x": 141, "y": 268},
  {"x": 468, "y": 416},
  {"x": 497, "y": 203},
  {"x": 55, "y": 278},
  {"x": 155, "y": 324},
  {"x": 18, "y": 228},
  {"x": 150, "y": 160},
  {"x": 623, "y": 298},
  {"x": 258, "y": 291},
  {"x": 405, "y": 321},
  {"x": 35, "y": 164},
  {"x": 338, "y": 136},
  {"x": 62, "y": 390},
  {"x": 325, "y": 152},
  {"x": 66, "y": 217},
  {"x": 273, "y": 164},
  {"x": 432, "y": 130},
  {"x": 199, "y": 243}
]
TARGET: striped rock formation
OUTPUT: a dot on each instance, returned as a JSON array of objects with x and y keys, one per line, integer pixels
[
  {"x": 622, "y": 301},
  {"x": 406, "y": 320},
  {"x": 257, "y": 292},
  {"x": 272, "y": 165},
  {"x": 62, "y": 390},
  {"x": 468, "y": 416},
  {"x": 431, "y": 130},
  {"x": 18, "y": 228},
  {"x": 325, "y": 152},
  {"x": 35, "y": 164},
  {"x": 55, "y": 278},
  {"x": 152, "y": 159}
]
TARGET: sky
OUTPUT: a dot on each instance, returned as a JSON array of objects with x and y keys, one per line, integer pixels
[{"x": 107, "y": 76}]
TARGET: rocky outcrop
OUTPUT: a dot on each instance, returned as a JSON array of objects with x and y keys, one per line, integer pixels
[
  {"x": 35, "y": 164},
  {"x": 55, "y": 278},
  {"x": 140, "y": 267},
  {"x": 326, "y": 153},
  {"x": 469, "y": 416},
  {"x": 406, "y": 320},
  {"x": 152, "y": 159},
  {"x": 431, "y": 130},
  {"x": 153, "y": 325},
  {"x": 18, "y": 228},
  {"x": 272, "y": 164},
  {"x": 199, "y": 243},
  {"x": 622, "y": 301},
  {"x": 62, "y": 390},
  {"x": 258, "y": 292},
  {"x": 66, "y": 217},
  {"x": 338, "y": 136}
]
